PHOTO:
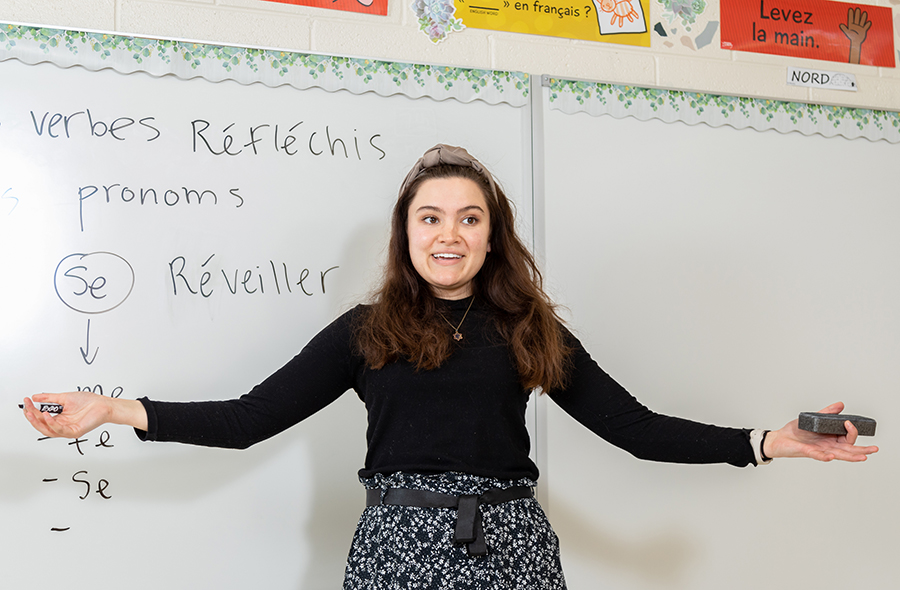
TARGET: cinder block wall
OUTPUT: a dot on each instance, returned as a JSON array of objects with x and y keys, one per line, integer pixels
[{"x": 687, "y": 58}]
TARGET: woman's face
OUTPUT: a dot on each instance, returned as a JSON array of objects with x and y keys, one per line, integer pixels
[{"x": 449, "y": 228}]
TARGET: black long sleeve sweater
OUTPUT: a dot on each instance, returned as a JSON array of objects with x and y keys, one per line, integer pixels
[{"x": 468, "y": 415}]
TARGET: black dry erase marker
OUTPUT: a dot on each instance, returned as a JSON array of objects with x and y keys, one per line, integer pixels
[{"x": 51, "y": 408}]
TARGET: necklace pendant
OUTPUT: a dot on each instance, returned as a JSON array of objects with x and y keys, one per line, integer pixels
[{"x": 456, "y": 335}]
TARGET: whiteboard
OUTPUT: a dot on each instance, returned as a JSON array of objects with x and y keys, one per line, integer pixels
[
  {"x": 264, "y": 216},
  {"x": 735, "y": 277}
]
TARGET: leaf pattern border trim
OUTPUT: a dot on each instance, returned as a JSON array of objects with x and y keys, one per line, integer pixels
[
  {"x": 692, "y": 108},
  {"x": 183, "y": 59}
]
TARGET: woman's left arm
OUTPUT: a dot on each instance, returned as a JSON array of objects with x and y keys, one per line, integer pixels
[{"x": 790, "y": 441}]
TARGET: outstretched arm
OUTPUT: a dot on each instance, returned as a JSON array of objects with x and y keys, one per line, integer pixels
[
  {"x": 317, "y": 376},
  {"x": 598, "y": 402},
  {"x": 83, "y": 411},
  {"x": 790, "y": 441}
]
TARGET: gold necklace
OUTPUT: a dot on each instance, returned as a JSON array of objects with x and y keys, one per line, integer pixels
[{"x": 456, "y": 335}]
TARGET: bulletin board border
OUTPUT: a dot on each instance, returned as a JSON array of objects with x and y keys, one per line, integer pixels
[
  {"x": 715, "y": 110},
  {"x": 247, "y": 65}
]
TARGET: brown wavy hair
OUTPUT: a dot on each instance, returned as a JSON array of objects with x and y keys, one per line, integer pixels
[{"x": 403, "y": 320}]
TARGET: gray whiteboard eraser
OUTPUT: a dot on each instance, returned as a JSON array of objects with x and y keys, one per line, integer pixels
[{"x": 834, "y": 423}]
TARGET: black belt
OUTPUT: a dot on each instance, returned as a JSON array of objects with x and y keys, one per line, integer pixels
[{"x": 468, "y": 517}]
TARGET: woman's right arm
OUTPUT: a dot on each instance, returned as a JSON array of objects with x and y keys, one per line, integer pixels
[
  {"x": 315, "y": 377},
  {"x": 83, "y": 411}
]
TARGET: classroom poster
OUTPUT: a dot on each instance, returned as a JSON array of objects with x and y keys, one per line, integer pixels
[
  {"x": 812, "y": 29},
  {"x": 608, "y": 21},
  {"x": 366, "y": 6}
]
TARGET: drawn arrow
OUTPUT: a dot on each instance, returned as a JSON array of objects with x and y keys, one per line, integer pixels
[
  {"x": 13, "y": 199},
  {"x": 84, "y": 354}
]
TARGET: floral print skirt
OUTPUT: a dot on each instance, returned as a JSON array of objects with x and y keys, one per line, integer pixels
[{"x": 406, "y": 547}]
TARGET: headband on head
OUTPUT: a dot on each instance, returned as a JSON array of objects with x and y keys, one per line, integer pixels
[{"x": 448, "y": 155}]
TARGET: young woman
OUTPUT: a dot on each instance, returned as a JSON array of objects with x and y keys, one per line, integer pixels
[{"x": 458, "y": 336}]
